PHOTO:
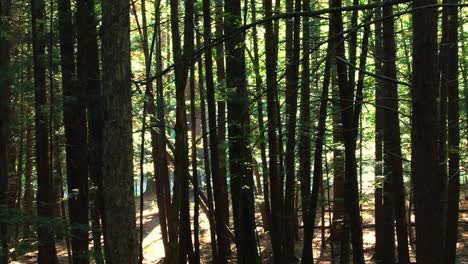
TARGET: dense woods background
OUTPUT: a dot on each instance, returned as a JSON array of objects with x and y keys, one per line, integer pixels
[{"x": 167, "y": 131}]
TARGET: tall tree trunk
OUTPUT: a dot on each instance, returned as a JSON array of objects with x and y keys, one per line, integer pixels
[
  {"x": 352, "y": 217},
  {"x": 221, "y": 103},
  {"x": 89, "y": 78},
  {"x": 449, "y": 82},
  {"x": 163, "y": 192},
  {"x": 339, "y": 236},
  {"x": 74, "y": 116},
  {"x": 219, "y": 181},
  {"x": 271, "y": 56},
  {"x": 304, "y": 144},
  {"x": 309, "y": 222},
  {"x": 206, "y": 159},
  {"x": 379, "y": 126},
  {"x": 182, "y": 62},
  {"x": 393, "y": 165},
  {"x": 119, "y": 205},
  {"x": 45, "y": 186},
  {"x": 292, "y": 78},
  {"x": 261, "y": 124},
  {"x": 428, "y": 183},
  {"x": 240, "y": 155},
  {"x": 4, "y": 123},
  {"x": 221, "y": 83},
  {"x": 193, "y": 140}
]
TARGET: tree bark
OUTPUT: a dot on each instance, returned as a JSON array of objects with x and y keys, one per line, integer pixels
[
  {"x": 393, "y": 165},
  {"x": 4, "y": 123},
  {"x": 266, "y": 207},
  {"x": 309, "y": 222},
  {"x": 28, "y": 189},
  {"x": 352, "y": 216},
  {"x": 428, "y": 183},
  {"x": 240, "y": 155},
  {"x": 449, "y": 82},
  {"x": 206, "y": 160},
  {"x": 119, "y": 205},
  {"x": 219, "y": 181},
  {"x": 379, "y": 126},
  {"x": 89, "y": 79},
  {"x": 193, "y": 140},
  {"x": 181, "y": 173},
  {"x": 45, "y": 199},
  {"x": 271, "y": 57},
  {"x": 292, "y": 78},
  {"x": 74, "y": 119}
]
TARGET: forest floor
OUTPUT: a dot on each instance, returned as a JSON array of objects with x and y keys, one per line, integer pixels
[{"x": 154, "y": 250}]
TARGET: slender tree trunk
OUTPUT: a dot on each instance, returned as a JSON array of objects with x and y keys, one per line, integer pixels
[
  {"x": 163, "y": 192},
  {"x": 352, "y": 216},
  {"x": 182, "y": 60},
  {"x": 206, "y": 159},
  {"x": 89, "y": 79},
  {"x": 379, "y": 126},
  {"x": 342, "y": 238},
  {"x": 271, "y": 56},
  {"x": 47, "y": 251},
  {"x": 240, "y": 155},
  {"x": 28, "y": 189},
  {"x": 74, "y": 114},
  {"x": 261, "y": 125},
  {"x": 304, "y": 144},
  {"x": 221, "y": 103},
  {"x": 393, "y": 165},
  {"x": 219, "y": 181},
  {"x": 292, "y": 78},
  {"x": 309, "y": 223},
  {"x": 4, "y": 123},
  {"x": 428, "y": 183},
  {"x": 119, "y": 207},
  {"x": 450, "y": 83},
  {"x": 193, "y": 140},
  {"x": 19, "y": 170}
]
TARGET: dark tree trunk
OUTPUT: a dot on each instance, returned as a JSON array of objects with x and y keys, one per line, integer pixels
[
  {"x": 193, "y": 140},
  {"x": 393, "y": 165},
  {"x": 4, "y": 123},
  {"x": 219, "y": 181},
  {"x": 271, "y": 56},
  {"x": 304, "y": 144},
  {"x": 292, "y": 78},
  {"x": 45, "y": 186},
  {"x": 341, "y": 238},
  {"x": 89, "y": 80},
  {"x": 74, "y": 119},
  {"x": 449, "y": 82},
  {"x": 158, "y": 141},
  {"x": 119, "y": 205},
  {"x": 309, "y": 222},
  {"x": 352, "y": 218},
  {"x": 428, "y": 183},
  {"x": 379, "y": 126},
  {"x": 28, "y": 189},
  {"x": 266, "y": 208},
  {"x": 206, "y": 160},
  {"x": 181, "y": 66},
  {"x": 221, "y": 79},
  {"x": 240, "y": 156}
]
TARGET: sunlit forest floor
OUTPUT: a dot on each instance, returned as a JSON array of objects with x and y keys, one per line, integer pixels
[{"x": 154, "y": 251}]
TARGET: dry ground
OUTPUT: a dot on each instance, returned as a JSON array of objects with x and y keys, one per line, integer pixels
[{"x": 154, "y": 252}]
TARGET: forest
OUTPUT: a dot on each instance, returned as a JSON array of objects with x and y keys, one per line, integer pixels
[{"x": 233, "y": 131}]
